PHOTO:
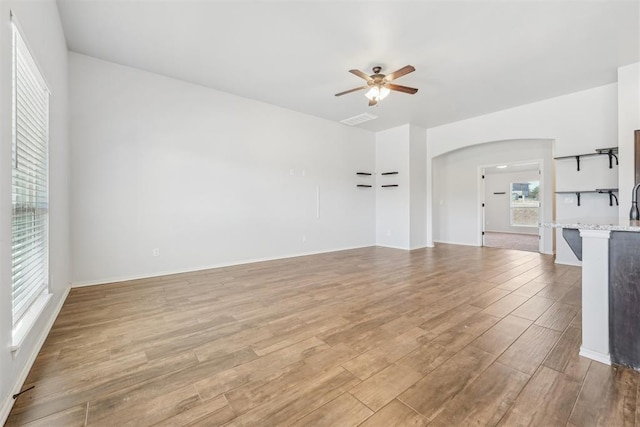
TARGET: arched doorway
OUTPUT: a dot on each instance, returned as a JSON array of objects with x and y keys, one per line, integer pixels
[{"x": 456, "y": 199}]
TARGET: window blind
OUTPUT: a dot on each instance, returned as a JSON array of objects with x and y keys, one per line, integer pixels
[{"x": 30, "y": 200}]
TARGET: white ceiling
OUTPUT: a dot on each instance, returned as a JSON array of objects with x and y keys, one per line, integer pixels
[{"x": 471, "y": 57}]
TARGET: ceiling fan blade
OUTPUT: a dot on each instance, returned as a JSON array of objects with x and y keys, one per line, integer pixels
[
  {"x": 400, "y": 88},
  {"x": 373, "y": 102},
  {"x": 399, "y": 73},
  {"x": 351, "y": 90},
  {"x": 361, "y": 75}
]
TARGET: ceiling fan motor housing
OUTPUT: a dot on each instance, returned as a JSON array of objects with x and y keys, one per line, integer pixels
[{"x": 377, "y": 79}]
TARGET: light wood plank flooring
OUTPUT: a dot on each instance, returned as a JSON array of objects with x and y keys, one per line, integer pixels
[
  {"x": 374, "y": 337},
  {"x": 520, "y": 242}
]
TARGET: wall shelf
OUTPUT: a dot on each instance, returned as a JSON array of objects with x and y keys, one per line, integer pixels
[
  {"x": 389, "y": 173},
  {"x": 612, "y": 152},
  {"x": 608, "y": 191},
  {"x": 389, "y": 185},
  {"x": 364, "y": 174}
]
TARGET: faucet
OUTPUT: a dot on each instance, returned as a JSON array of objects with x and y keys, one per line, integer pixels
[{"x": 634, "y": 214}]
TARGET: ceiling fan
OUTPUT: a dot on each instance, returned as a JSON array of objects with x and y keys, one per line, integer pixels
[{"x": 380, "y": 85}]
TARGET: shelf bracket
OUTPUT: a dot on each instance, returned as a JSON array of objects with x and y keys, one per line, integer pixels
[
  {"x": 611, "y": 157},
  {"x": 578, "y": 162},
  {"x": 610, "y": 192},
  {"x": 578, "y": 193},
  {"x": 612, "y": 197}
]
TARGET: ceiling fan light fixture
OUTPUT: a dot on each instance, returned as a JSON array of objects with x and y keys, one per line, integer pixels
[
  {"x": 377, "y": 92},
  {"x": 372, "y": 93}
]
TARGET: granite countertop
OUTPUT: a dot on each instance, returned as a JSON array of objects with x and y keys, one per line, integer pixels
[{"x": 609, "y": 223}]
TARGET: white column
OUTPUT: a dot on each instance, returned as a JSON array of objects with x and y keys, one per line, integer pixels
[{"x": 595, "y": 295}]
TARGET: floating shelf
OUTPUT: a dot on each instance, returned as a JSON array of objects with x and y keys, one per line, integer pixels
[
  {"x": 389, "y": 173},
  {"x": 364, "y": 174},
  {"x": 611, "y": 152},
  {"x": 389, "y": 185},
  {"x": 608, "y": 191},
  {"x": 500, "y": 192}
]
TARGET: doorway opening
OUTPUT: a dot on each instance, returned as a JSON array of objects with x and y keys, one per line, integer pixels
[{"x": 511, "y": 207}]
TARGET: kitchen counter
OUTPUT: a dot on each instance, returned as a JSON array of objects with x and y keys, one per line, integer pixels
[
  {"x": 610, "y": 224},
  {"x": 609, "y": 249}
]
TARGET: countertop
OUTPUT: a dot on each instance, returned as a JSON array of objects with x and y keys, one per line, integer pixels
[{"x": 607, "y": 223}]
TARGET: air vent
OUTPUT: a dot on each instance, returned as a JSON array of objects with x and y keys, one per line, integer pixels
[{"x": 356, "y": 120}]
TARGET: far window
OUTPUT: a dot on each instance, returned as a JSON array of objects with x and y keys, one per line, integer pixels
[
  {"x": 29, "y": 188},
  {"x": 525, "y": 203}
]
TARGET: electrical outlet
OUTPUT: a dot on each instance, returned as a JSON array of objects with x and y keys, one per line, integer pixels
[
  {"x": 388, "y": 232},
  {"x": 156, "y": 251},
  {"x": 292, "y": 172},
  {"x": 304, "y": 238}
]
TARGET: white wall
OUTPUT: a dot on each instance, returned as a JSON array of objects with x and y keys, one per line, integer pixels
[
  {"x": 41, "y": 28},
  {"x": 578, "y": 122},
  {"x": 206, "y": 177},
  {"x": 497, "y": 207},
  {"x": 628, "y": 122},
  {"x": 457, "y": 185},
  {"x": 401, "y": 216},
  {"x": 392, "y": 204},
  {"x": 418, "y": 187}
]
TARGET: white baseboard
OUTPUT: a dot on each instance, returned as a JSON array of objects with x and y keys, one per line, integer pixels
[
  {"x": 6, "y": 407},
  {"x": 456, "y": 243},
  {"x": 9, "y": 401},
  {"x": 571, "y": 263},
  {"x": 208, "y": 267},
  {"x": 393, "y": 247},
  {"x": 595, "y": 355}
]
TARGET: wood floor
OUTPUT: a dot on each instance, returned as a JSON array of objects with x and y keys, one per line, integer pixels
[
  {"x": 374, "y": 337},
  {"x": 517, "y": 241}
]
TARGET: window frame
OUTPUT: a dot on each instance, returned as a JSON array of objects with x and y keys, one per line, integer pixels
[{"x": 24, "y": 319}]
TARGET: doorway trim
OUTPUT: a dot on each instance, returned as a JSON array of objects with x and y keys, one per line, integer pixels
[{"x": 481, "y": 205}]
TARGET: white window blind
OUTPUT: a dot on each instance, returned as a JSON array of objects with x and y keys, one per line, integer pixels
[{"x": 30, "y": 217}]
